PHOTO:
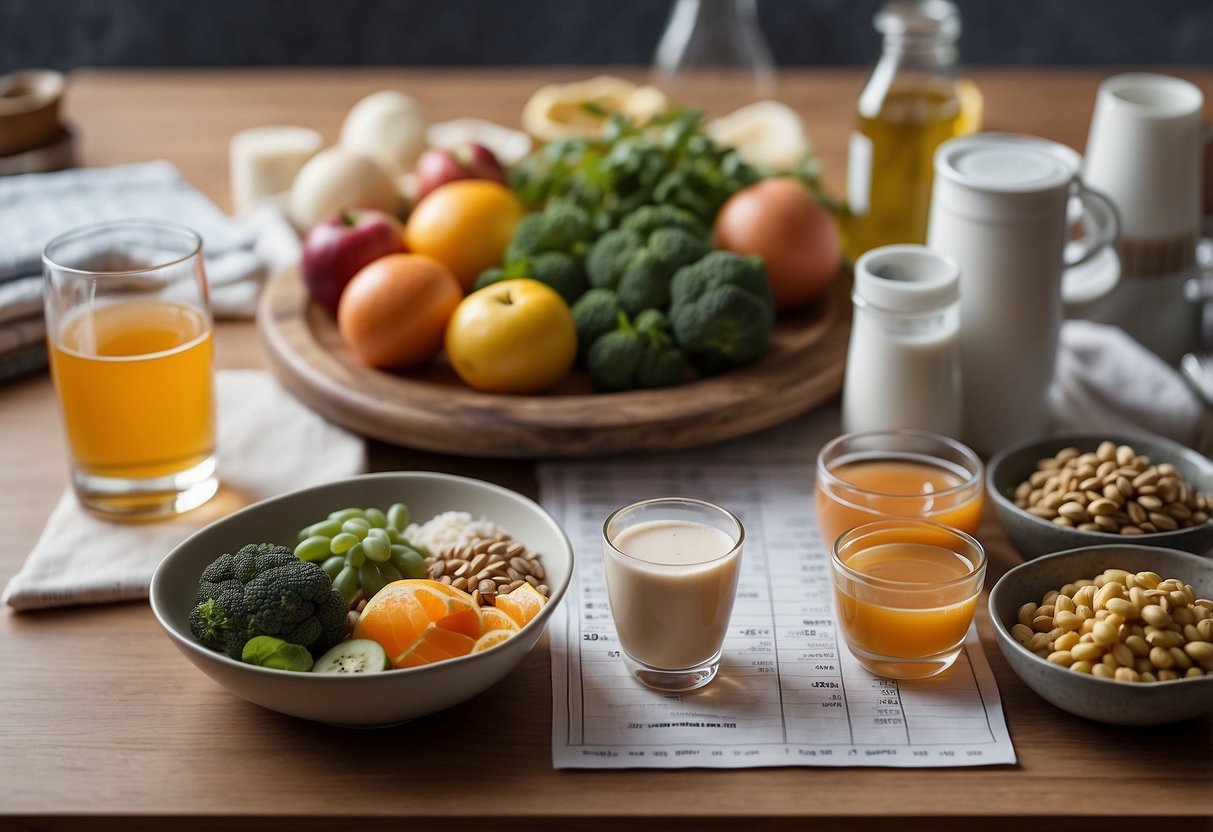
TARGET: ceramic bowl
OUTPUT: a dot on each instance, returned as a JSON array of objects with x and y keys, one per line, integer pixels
[
  {"x": 1033, "y": 536},
  {"x": 1103, "y": 700},
  {"x": 376, "y": 698}
]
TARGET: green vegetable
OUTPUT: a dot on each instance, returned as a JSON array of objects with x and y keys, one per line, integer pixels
[
  {"x": 560, "y": 227},
  {"x": 594, "y": 314},
  {"x": 639, "y": 259},
  {"x": 267, "y": 651},
  {"x": 358, "y": 655},
  {"x": 366, "y": 552},
  {"x": 640, "y": 354},
  {"x": 722, "y": 311},
  {"x": 265, "y": 590},
  {"x": 668, "y": 161}
]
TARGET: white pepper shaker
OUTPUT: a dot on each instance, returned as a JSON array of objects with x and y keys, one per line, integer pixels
[{"x": 903, "y": 364}]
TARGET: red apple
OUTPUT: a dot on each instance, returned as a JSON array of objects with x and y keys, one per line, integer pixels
[
  {"x": 339, "y": 246},
  {"x": 437, "y": 166}
]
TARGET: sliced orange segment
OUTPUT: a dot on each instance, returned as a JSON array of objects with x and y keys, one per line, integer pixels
[
  {"x": 403, "y": 611},
  {"x": 522, "y": 604},
  {"x": 495, "y": 619},
  {"x": 435, "y": 645},
  {"x": 491, "y": 639}
]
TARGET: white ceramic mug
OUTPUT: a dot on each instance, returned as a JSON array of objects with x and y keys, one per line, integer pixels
[
  {"x": 1144, "y": 151},
  {"x": 999, "y": 209}
]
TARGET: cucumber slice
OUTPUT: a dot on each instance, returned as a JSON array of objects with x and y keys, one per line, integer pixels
[{"x": 358, "y": 655}]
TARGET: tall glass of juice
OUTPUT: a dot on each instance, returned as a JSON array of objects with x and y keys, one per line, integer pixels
[
  {"x": 876, "y": 475},
  {"x": 672, "y": 566},
  {"x": 905, "y": 591},
  {"x": 129, "y": 331}
]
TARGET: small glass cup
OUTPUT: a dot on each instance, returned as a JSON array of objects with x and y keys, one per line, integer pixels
[
  {"x": 672, "y": 565},
  {"x": 875, "y": 475},
  {"x": 129, "y": 330},
  {"x": 905, "y": 591}
]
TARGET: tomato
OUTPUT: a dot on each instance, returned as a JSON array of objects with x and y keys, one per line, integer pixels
[
  {"x": 797, "y": 238},
  {"x": 394, "y": 310},
  {"x": 516, "y": 336},
  {"x": 465, "y": 225}
]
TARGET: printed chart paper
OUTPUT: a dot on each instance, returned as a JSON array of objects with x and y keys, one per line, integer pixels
[{"x": 788, "y": 692}]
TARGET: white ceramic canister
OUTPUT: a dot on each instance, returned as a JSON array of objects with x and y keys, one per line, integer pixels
[
  {"x": 999, "y": 209},
  {"x": 903, "y": 363}
]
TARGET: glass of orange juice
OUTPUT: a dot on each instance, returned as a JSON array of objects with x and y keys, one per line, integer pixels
[
  {"x": 875, "y": 475},
  {"x": 905, "y": 591},
  {"x": 129, "y": 331}
]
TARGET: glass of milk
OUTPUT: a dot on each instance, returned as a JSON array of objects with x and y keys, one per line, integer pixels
[{"x": 672, "y": 566}]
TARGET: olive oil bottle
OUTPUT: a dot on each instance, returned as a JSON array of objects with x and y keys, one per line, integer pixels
[{"x": 911, "y": 103}]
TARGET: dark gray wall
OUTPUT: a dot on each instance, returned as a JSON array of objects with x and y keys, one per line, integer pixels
[{"x": 69, "y": 33}]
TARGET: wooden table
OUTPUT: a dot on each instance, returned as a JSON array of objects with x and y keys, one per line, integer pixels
[{"x": 104, "y": 725}]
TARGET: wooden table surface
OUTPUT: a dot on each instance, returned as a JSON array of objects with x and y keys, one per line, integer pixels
[{"x": 104, "y": 725}]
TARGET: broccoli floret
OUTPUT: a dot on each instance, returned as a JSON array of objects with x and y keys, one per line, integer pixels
[
  {"x": 559, "y": 227},
  {"x": 639, "y": 265},
  {"x": 265, "y": 590},
  {"x": 488, "y": 277},
  {"x": 631, "y": 356},
  {"x": 722, "y": 311},
  {"x": 648, "y": 218},
  {"x": 594, "y": 314}
]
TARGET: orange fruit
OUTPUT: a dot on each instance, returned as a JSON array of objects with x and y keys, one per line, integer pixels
[
  {"x": 465, "y": 225},
  {"x": 435, "y": 645},
  {"x": 395, "y": 310},
  {"x": 491, "y": 639},
  {"x": 404, "y": 614},
  {"x": 522, "y": 604},
  {"x": 495, "y": 619}
]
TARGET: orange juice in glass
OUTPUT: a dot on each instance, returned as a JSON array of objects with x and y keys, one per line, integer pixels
[
  {"x": 129, "y": 330},
  {"x": 905, "y": 591},
  {"x": 862, "y": 477}
]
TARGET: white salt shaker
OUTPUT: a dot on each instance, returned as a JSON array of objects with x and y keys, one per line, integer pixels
[{"x": 903, "y": 364}]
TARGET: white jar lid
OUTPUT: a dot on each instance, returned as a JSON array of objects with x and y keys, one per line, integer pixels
[
  {"x": 906, "y": 278},
  {"x": 1006, "y": 163}
]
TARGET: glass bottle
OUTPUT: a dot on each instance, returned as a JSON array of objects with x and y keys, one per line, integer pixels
[
  {"x": 909, "y": 106},
  {"x": 714, "y": 35}
]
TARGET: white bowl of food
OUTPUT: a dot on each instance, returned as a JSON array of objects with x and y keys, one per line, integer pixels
[{"x": 388, "y": 695}]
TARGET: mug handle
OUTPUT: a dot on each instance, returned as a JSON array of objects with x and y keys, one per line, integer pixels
[{"x": 1100, "y": 222}]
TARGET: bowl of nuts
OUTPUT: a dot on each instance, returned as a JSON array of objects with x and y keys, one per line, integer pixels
[
  {"x": 1120, "y": 633},
  {"x": 1064, "y": 492}
]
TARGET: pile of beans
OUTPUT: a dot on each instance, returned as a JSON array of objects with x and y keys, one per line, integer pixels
[
  {"x": 1113, "y": 490},
  {"x": 1131, "y": 627}
]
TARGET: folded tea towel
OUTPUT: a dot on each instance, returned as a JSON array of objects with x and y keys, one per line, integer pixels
[
  {"x": 1107, "y": 382},
  {"x": 268, "y": 444}
]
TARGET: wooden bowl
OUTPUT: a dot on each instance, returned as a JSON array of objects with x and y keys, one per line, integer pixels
[{"x": 29, "y": 109}]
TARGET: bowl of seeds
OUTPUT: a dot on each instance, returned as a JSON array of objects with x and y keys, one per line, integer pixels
[
  {"x": 1066, "y": 492},
  {"x": 1121, "y": 633}
]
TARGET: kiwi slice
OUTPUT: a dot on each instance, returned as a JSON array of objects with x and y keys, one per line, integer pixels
[{"x": 358, "y": 655}]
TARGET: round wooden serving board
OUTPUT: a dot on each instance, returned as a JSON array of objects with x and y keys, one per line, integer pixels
[{"x": 431, "y": 409}]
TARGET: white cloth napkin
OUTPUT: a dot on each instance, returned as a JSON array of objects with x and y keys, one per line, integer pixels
[
  {"x": 263, "y": 431},
  {"x": 1107, "y": 382}
]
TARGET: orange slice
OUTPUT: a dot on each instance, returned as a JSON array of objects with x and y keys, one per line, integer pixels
[
  {"x": 435, "y": 645},
  {"x": 522, "y": 604},
  {"x": 401, "y": 612},
  {"x": 495, "y": 619},
  {"x": 491, "y": 639}
]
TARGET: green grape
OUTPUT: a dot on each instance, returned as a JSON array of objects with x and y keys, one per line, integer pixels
[
  {"x": 356, "y": 525},
  {"x": 313, "y": 548},
  {"x": 398, "y": 516},
  {"x": 344, "y": 514},
  {"x": 376, "y": 517},
  {"x": 376, "y": 549},
  {"x": 410, "y": 563},
  {"x": 326, "y": 528},
  {"x": 372, "y": 581},
  {"x": 346, "y": 582},
  {"x": 393, "y": 536},
  {"x": 355, "y": 556},
  {"x": 381, "y": 534},
  {"x": 332, "y": 565},
  {"x": 389, "y": 572},
  {"x": 342, "y": 543}
]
